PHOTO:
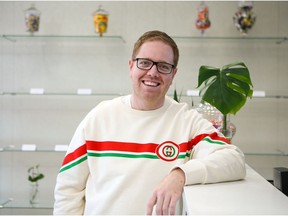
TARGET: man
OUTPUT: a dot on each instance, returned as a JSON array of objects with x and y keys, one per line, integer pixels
[{"x": 134, "y": 154}]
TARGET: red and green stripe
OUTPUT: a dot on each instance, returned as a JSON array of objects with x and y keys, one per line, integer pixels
[
  {"x": 128, "y": 150},
  {"x": 131, "y": 150},
  {"x": 74, "y": 158}
]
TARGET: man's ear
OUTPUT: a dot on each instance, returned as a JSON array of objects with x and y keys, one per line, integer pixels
[
  {"x": 130, "y": 65},
  {"x": 174, "y": 72}
]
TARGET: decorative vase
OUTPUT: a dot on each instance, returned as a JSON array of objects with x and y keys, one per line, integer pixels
[
  {"x": 100, "y": 18},
  {"x": 230, "y": 131},
  {"x": 244, "y": 18},
  {"x": 34, "y": 194},
  {"x": 212, "y": 114},
  {"x": 32, "y": 19},
  {"x": 203, "y": 21}
]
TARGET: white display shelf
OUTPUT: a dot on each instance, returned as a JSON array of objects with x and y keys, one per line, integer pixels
[
  {"x": 58, "y": 94},
  {"x": 36, "y": 37},
  {"x": 38, "y": 149},
  {"x": 39, "y": 37},
  {"x": 60, "y": 148},
  {"x": 254, "y": 39},
  {"x": 3, "y": 93}
]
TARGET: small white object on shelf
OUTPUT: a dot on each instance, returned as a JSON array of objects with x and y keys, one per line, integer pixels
[
  {"x": 61, "y": 147},
  {"x": 196, "y": 93},
  {"x": 259, "y": 94},
  {"x": 37, "y": 91},
  {"x": 29, "y": 147},
  {"x": 83, "y": 91},
  {"x": 193, "y": 92}
]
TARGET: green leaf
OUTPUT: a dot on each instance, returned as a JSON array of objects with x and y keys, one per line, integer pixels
[
  {"x": 36, "y": 178},
  {"x": 205, "y": 73},
  {"x": 176, "y": 97},
  {"x": 226, "y": 89}
]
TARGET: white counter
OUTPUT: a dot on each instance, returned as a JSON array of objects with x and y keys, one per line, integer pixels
[{"x": 251, "y": 196}]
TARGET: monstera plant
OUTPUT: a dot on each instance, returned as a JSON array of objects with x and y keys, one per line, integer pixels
[{"x": 226, "y": 89}]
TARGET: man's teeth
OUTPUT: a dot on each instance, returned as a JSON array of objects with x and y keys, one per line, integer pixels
[{"x": 149, "y": 83}]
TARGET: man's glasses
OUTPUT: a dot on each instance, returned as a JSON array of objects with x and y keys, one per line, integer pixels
[{"x": 147, "y": 64}]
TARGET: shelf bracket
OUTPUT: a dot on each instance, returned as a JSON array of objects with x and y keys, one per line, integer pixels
[
  {"x": 7, "y": 38},
  {"x": 6, "y": 202},
  {"x": 282, "y": 40}
]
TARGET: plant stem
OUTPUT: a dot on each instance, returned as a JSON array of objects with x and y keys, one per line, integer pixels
[
  {"x": 224, "y": 124},
  {"x": 33, "y": 198}
]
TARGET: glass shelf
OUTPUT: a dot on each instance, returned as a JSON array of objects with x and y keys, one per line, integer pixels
[
  {"x": 278, "y": 154},
  {"x": 277, "y": 40},
  {"x": 26, "y": 206},
  {"x": 17, "y": 37},
  {"x": 112, "y": 94},
  {"x": 57, "y": 94},
  {"x": 51, "y": 149},
  {"x": 24, "y": 37},
  {"x": 30, "y": 148},
  {"x": 36, "y": 151}
]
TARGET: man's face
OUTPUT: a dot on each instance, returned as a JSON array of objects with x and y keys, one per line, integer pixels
[{"x": 150, "y": 86}]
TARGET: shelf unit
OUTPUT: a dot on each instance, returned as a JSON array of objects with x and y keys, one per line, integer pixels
[{"x": 25, "y": 110}]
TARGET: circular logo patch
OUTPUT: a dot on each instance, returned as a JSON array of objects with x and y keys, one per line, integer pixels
[{"x": 168, "y": 151}]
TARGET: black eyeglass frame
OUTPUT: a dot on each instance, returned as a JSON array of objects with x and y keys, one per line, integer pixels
[{"x": 154, "y": 63}]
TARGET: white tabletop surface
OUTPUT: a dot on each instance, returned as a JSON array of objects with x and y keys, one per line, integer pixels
[{"x": 252, "y": 196}]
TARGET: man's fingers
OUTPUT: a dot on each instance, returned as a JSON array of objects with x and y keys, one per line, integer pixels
[
  {"x": 152, "y": 201},
  {"x": 159, "y": 205},
  {"x": 172, "y": 206},
  {"x": 167, "y": 194},
  {"x": 166, "y": 205}
]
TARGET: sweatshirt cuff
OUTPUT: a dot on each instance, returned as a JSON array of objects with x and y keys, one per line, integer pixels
[{"x": 195, "y": 172}]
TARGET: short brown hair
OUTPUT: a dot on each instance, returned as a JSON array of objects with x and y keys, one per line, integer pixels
[{"x": 157, "y": 36}]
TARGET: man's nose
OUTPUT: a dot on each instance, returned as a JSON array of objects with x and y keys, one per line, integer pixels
[{"x": 153, "y": 71}]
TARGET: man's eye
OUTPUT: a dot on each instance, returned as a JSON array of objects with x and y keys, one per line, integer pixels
[
  {"x": 164, "y": 67},
  {"x": 145, "y": 63}
]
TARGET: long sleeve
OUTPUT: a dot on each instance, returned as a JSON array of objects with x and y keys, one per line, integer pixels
[
  {"x": 72, "y": 178},
  {"x": 212, "y": 162},
  {"x": 212, "y": 158}
]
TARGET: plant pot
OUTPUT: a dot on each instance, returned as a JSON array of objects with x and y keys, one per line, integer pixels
[{"x": 216, "y": 118}]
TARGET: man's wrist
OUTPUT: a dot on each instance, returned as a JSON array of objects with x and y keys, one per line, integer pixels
[{"x": 180, "y": 174}]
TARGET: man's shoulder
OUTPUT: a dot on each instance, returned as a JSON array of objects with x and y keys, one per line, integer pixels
[
  {"x": 175, "y": 105},
  {"x": 108, "y": 104}
]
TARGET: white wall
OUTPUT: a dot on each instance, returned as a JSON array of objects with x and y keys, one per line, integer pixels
[{"x": 65, "y": 66}]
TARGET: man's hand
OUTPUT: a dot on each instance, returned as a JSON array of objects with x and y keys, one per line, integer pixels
[{"x": 167, "y": 194}]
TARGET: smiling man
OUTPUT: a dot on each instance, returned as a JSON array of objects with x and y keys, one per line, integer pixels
[
  {"x": 135, "y": 153},
  {"x": 152, "y": 69}
]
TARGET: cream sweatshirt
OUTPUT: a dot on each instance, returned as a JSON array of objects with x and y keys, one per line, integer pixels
[{"x": 119, "y": 155}]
